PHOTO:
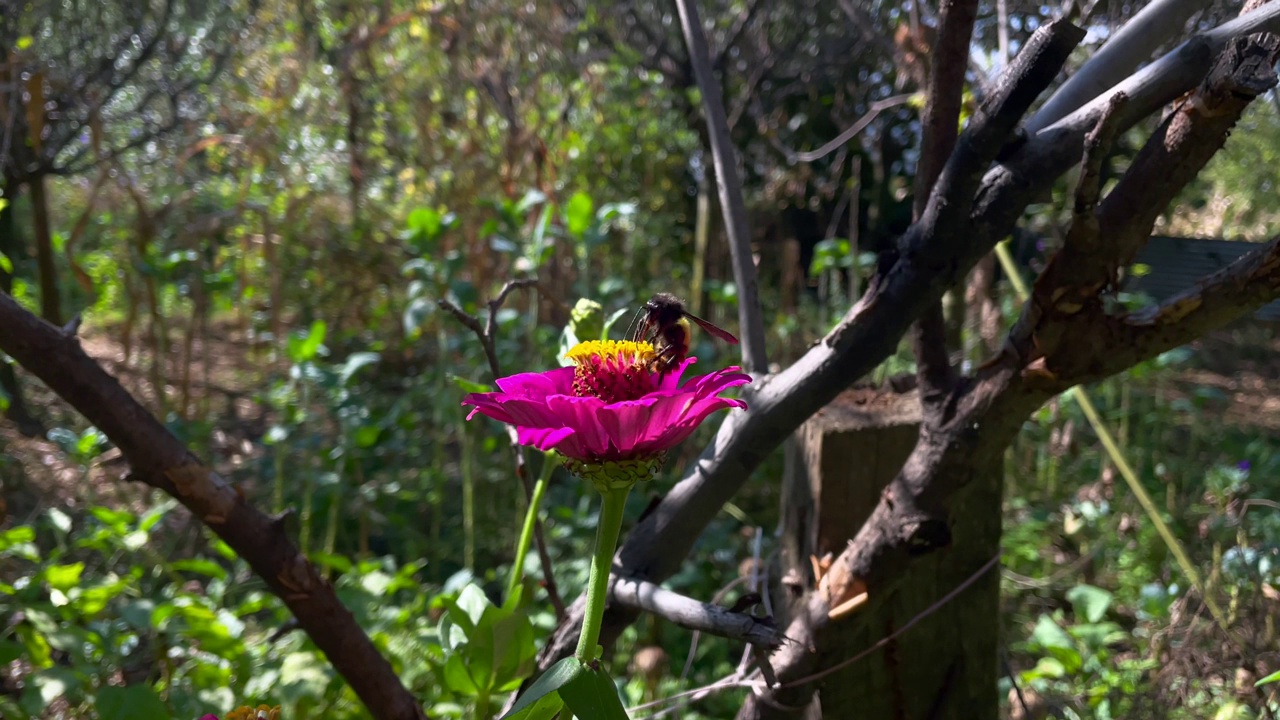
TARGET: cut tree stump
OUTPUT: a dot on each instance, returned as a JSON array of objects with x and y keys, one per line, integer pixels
[{"x": 944, "y": 667}]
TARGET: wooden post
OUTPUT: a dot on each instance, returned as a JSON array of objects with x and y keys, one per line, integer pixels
[{"x": 944, "y": 667}]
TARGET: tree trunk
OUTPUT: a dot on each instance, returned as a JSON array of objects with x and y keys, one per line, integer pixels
[
  {"x": 944, "y": 666},
  {"x": 10, "y": 247},
  {"x": 50, "y": 300}
]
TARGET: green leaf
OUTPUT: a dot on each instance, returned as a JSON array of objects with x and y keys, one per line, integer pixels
[
  {"x": 5, "y": 263},
  {"x": 23, "y": 43},
  {"x": 1273, "y": 677},
  {"x": 1069, "y": 657},
  {"x": 366, "y": 436},
  {"x": 9, "y": 651},
  {"x": 1046, "y": 667},
  {"x": 513, "y": 648},
  {"x": 95, "y": 598},
  {"x": 578, "y": 214},
  {"x": 303, "y": 675},
  {"x": 555, "y": 678},
  {"x": 473, "y": 602},
  {"x": 330, "y": 560},
  {"x": 354, "y": 363},
  {"x": 457, "y": 676},
  {"x": 63, "y": 577},
  {"x": 1089, "y": 602},
  {"x": 426, "y": 224},
  {"x": 592, "y": 694},
  {"x": 470, "y": 386},
  {"x": 20, "y": 535},
  {"x": 133, "y": 702},
  {"x": 1047, "y": 634},
  {"x": 305, "y": 346},
  {"x": 546, "y": 708},
  {"x": 201, "y": 566},
  {"x": 52, "y": 683}
]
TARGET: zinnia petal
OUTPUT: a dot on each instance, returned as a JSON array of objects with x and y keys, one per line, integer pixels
[
  {"x": 671, "y": 379},
  {"x": 560, "y": 439},
  {"x": 690, "y": 416},
  {"x": 551, "y": 411},
  {"x": 538, "y": 385},
  {"x": 583, "y": 415}
]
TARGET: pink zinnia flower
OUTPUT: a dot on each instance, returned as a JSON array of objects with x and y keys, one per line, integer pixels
[{"x": 611, "y": 413}]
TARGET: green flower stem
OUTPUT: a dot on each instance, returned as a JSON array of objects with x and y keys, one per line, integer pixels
[
  {"x": 530, "y": 518},
  {"x": 597, "y": 587}
]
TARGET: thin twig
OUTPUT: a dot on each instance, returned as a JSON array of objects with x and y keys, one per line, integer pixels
[
  {"x": 940, "y": 122},
  {"x": 738, "y": 680},
  {"x": 487, "y": 335},
  {"x": 732, "y": 203},
  {"x": 861, "y": 124}
]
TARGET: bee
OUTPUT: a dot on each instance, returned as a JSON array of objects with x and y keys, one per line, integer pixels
[{"x": 664, "y": 323}]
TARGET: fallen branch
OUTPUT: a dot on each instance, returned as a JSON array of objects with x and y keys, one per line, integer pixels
[{"x": 160, "y": 460}]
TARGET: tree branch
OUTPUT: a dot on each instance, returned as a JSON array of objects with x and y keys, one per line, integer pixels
[
  {"x": 750, "y": 316},
  {"x": 912, "y": 517},
  {"x": 935, "y": 253},
  {"x": 1233, "y": 292},
  {"x": 938, "y": 139},
  {"x": 1068, "y": 295},
  {"x": 160, "y": 460},
  {"x": 858, "y": 126},
  {"x": 1158, "y": 83},
  {"x": 694, "y": 615},
  {"x": 1128, "y": 47}
]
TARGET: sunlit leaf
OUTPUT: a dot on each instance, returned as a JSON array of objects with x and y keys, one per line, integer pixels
[
  {"x": 305, "y": 346},
  {"x": 200, "y": 566},
  {"x": 578, "y": 214},
  {"x": 1090, "y": 602},
  {"x": 63, "y": 577},
  {"x": 470, "y": 386},
  {"x": 354, "y": 363},
  {"x": 1047, "y": 634}
]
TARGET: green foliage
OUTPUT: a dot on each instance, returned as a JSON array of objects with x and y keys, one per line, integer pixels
[
  {"x": 488, "y": 649},
  {"x": 283, "y": 254}
]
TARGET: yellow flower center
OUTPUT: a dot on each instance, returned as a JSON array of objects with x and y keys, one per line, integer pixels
[{"x": 612, "y": 370}]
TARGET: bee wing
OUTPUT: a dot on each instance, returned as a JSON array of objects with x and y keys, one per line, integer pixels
[{"x": 715, "y": 330}]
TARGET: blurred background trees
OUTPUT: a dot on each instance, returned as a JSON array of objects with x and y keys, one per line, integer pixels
[{"x": 254, "y": 207}]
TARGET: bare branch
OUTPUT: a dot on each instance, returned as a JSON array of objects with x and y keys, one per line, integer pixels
[
  {"x": 872, "y": 113},
  {"x": 1233, "y": 292},
  {"x": 694, "y": 615},
  {"x": 1158, "y": 83},
  {"x": 937, "y": 251},
  {"x": 1077, "y": 265},
  {"x": 750, "y": 317},
  {"x": 938, "y": 139},
  {"x": 1186, "y": 140},
  {"x": 160, "y": 460},
  {"x": 1128, "y": 47}
]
